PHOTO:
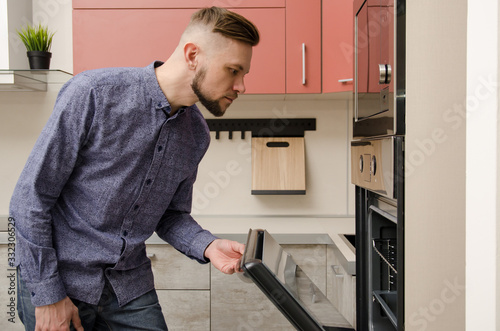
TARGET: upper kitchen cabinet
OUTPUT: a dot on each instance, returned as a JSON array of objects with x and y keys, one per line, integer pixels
[
  {"x": 300, "y": 50},
  {"x": 119, "y": 33},
  {"x": 115, "y": 4},
  {"x": 303, "y": 46},
  {"x": 338, "y": 50}
]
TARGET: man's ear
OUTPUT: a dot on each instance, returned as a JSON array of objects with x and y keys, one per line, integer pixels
[{"x": 191, "y": 52}]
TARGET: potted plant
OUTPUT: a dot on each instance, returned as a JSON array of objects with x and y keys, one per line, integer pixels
[{"x": 38, "y": 40}]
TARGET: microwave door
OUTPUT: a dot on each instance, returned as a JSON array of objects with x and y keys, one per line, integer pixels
[
  {"x": 287, "y": 286},
  {"x": 374, "y": 69}
]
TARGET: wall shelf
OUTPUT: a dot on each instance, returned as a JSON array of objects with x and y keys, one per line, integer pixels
[{"x": 22, "y": 80}]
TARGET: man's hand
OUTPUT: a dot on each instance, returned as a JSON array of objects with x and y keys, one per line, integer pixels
[
  {"x": 225, "y": 255},
  {"x": 57, "y": 316}
]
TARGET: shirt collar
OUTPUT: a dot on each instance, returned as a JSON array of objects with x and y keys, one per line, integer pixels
[{"x": 158, "y": 98}]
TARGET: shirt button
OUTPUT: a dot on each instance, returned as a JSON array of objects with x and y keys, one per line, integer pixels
[
  {"x": 160, "y": 148},
  {"x": 148, "y": 181}
]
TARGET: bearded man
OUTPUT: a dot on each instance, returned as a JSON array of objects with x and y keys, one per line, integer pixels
[{"x": 115, "y": 163}]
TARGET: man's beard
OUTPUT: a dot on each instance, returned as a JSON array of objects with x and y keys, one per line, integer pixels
[{"x": 213, "y": 106}]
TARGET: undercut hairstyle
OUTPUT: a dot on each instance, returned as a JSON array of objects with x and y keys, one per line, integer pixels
[{"x": 227, "y": 23}]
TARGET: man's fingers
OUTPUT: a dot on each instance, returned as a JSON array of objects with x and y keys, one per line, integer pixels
[
  {"x": 77, "y": 323},
  {"x": 75, "y": 319}
]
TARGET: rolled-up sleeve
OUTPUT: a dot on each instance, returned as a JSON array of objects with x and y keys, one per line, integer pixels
[{"x": 48, "y": 168}]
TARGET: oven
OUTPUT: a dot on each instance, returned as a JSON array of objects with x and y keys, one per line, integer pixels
[
  {"x": 377, "y": 172},
  {"x": 377, "y": 162}
]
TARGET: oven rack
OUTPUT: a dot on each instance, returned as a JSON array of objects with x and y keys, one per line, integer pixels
[{"x": 387, "y": 251}]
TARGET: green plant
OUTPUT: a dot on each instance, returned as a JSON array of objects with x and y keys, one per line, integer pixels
[{"x": 36, "y": 38}]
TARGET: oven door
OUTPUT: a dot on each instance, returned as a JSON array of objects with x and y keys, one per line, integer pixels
[{"x": 287, "y": 286}]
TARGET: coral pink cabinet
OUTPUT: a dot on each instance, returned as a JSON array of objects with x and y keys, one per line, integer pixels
[
  {"x": 115, "y": 33},
  {"x": 337, "y": 42},
  {"x": 303, "y": 46},
  {"x": 289, "y": 58}
]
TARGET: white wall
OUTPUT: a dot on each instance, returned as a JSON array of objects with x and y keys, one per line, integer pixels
[
  {"x": 482, "y": 165},
  {"x": 14, "y": 14}
]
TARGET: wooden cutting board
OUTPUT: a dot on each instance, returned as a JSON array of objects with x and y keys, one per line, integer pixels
[{"x": 278, "y": 165}]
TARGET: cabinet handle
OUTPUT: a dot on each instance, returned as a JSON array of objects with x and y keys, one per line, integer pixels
[
  {"x": 150, "y": 255},
  {"x": 336, "y": 273},
  {"x": 303, "y": 64},
  {"x": 344, "y": 81}
]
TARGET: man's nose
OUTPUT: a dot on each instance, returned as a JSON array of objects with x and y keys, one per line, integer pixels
[{"x": 239, "y": 86}]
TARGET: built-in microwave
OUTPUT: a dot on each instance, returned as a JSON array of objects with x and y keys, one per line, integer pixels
[{"x": 377, "y": 81}]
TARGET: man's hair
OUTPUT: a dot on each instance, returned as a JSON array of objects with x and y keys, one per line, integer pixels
[{"x": 227, "y": 23}]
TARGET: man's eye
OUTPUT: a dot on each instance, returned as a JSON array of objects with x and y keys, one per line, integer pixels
[{"x": 233, "y": 71}]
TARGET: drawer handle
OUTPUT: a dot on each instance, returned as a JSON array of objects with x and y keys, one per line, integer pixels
[
  {"x": 150, "y": 255},
  {"x": 303, "y": 64},
  {"x": 337, "y": 273},
  {"x": 273, "y": 144}
]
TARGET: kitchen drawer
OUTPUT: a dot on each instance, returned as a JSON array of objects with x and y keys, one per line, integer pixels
[
  {"x": 185, "y": 309},
  {"x": 173, "y": 270},
  {"x": 237, "y": 305},
  {"x": 341, "y": 286}
]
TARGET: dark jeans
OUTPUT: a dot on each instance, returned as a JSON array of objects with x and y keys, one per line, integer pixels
[{"x": 143, "y": 313}]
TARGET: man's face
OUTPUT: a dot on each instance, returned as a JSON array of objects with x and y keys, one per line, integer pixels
[{"x": 218, "y": 82}]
